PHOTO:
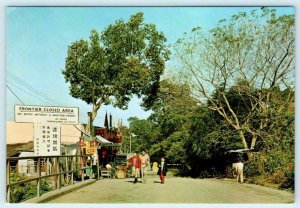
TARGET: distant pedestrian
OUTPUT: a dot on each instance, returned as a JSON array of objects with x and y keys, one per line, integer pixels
[
  {"x": 135, "y": 162},
  {"x": 162, "y": 170},
  {"x": 108, "y": 166},
  {"x": 155, "y": 167},
  {"x": 239, "y": 167},
  {"x": 145, "y": 161}
]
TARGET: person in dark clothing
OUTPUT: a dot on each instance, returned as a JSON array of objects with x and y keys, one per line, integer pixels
[{"x": 162, "y": 170}]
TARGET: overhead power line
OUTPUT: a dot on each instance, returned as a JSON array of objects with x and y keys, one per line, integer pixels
[
  {"x": 24, "y": 84},
  {"x": 14, "y": 94},
  {"x": 48, "y": 103},
  {"x": 29, "y": 92}
]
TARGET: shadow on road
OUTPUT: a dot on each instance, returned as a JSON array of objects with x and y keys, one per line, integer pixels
[
  {"x": 156, "y": 182},
  {"x": 133, "y": 181}
]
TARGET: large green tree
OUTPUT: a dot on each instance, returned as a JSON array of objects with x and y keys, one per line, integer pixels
[
  {"x": 172, "y": 111},
  {"x": 146, "y": 133},
  {"x": 166, "y": 130},
  {"x": 256, "y": 49},
  {"x": 127, "y": 58}
]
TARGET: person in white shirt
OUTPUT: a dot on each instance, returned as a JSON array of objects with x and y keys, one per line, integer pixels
[
  {"x": 145, "y": 161},
  {"x": 239, "y": 170}
]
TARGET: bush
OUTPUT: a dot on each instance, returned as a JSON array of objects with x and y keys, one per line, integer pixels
[
  {"x": 277, "y": 177},
  {"x": 254, "y": 167},
  {"x": 282, "y": 176},
  {"x": 259, "y": 180},
  {"x": 277, "y": 159},
  {"x": 289, "y": 183}
]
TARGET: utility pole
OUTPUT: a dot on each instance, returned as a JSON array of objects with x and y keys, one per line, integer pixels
[
  {"x": 131, "y": 135},
  {"x": 130, "y": 143}
]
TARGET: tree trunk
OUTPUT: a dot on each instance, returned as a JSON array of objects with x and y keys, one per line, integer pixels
[
  {"x": 90, "y": 126},
  {"x": 242, "y": 137},
  {"x": 91, "y": 117},
  {"x": 253, "y": 142}
]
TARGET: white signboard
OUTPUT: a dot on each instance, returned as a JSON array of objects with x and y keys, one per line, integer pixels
[
  {"x": 33, "y": 114},
  {"x": 46, "y": 139}
]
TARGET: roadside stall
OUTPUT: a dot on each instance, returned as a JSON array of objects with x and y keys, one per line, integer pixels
[
  {"x": 112, "y": 165},
  {"x": 103, "y": 148}
]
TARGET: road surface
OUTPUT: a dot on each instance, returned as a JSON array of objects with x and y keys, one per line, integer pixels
[{"x": 175, "y": 190}]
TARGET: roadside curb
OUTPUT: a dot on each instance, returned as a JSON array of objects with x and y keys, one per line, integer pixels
[{"x": 57, "y": 193}]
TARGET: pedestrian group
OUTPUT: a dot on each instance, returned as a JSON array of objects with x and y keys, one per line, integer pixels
[{"x": 140, "y": 163}]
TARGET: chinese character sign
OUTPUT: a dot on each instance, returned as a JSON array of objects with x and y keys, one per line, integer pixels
[{"x": 46, "y": 139}]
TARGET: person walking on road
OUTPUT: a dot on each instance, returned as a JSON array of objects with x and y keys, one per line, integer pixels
[
  {"x": 239, "y": 170},
  {"x": 135, "y": 163},
  {"x": 162, "y": 170},
  {"x": 145, "y": 161}
]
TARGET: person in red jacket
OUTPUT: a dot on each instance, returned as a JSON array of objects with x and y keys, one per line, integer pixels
[{"x": 135, "y": 163}]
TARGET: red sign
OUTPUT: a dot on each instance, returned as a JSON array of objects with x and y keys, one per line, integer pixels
[
  {"x": 93, "y": 143},
  {"x": 81, "y": 142},
  {"x": 90, "y": 150}
]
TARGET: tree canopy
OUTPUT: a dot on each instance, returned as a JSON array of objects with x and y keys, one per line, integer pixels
[
  {"x": 234, "y": 90},
  {"x": 254, "y": 53},
  {"x": 126, "y": 58}
]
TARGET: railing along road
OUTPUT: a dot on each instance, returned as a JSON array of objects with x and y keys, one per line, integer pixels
[{"x": 53, "y": 166}]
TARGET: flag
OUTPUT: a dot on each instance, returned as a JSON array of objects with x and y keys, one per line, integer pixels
[
  {"x": 110, "y": 121},
  {"x": 106, "y": 121}
]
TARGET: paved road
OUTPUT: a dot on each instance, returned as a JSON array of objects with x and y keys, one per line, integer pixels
[{"x": 175, "y": 190}]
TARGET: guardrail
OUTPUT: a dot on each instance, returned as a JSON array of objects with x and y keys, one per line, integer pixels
[
  {"x": 175, "y": 166},
  {"x": 70, "y": 163}
]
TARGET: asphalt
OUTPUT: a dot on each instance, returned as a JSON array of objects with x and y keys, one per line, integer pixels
[{"x": 175, "y": 190}]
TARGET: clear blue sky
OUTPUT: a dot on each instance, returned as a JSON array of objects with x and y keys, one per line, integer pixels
[{"x": 38, "y": 38}]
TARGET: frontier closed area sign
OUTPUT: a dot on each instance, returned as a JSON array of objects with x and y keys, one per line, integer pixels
[
  {"x": 34, "y": 114},
  {"x": 47, "y": 121}
]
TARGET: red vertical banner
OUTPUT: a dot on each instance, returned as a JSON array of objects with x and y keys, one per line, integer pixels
[{"x": 81, "y": 143}]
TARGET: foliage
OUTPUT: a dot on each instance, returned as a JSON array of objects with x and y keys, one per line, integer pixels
[
  {"x": 25, "y": 191},
  {"x": 255, "y": 167},
  {"x": 289, "y": 182},
  {"x": 173, "y": 106},
  {"x": 172, "y": 111},
  {"x": 248, "y": 56},
  {"x": 165, "y": 132},
  {"x": 127, "y": 58},
  {"x": 173, "y": 147},
  {"x": 235, "y": 90},
  {"x": 146, "y": 133}
]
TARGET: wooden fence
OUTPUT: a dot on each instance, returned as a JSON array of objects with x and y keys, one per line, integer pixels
[{"x": 52, "y": 166}]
